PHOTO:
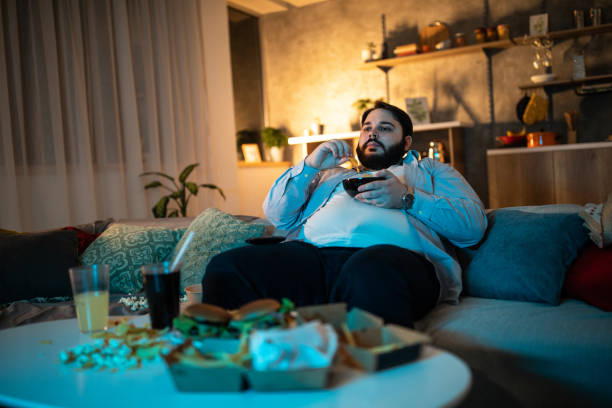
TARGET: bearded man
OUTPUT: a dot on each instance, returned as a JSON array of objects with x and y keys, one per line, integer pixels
[{"x": 388, "y": 250}]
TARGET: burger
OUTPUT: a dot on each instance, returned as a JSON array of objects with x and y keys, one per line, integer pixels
[
  {"x": 206, "y": 320},
  {"x": 203, "y": 320},
  {"x": 263, "y": 314}
]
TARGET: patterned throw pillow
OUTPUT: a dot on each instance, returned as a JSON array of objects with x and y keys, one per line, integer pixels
[
  {"x": 214, "y": 232},
  {"x": 126, "y": 248}
]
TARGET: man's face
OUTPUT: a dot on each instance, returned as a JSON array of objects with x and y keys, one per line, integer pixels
[{"x": 381, "y": 143}]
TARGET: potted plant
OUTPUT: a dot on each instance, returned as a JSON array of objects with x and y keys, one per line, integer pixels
[
  {"x": 180, "y": 193},
  {"x": 275, "y": 140}
]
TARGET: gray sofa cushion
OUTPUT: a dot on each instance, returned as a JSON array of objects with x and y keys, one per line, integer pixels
[{"x": 532, "y": 353}]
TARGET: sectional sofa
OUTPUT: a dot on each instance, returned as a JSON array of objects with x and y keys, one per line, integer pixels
[{"x": 532, "y": 324}]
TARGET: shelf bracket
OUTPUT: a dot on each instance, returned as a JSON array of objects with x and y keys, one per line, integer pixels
[
  {"x": 488, "y": 54},
  {"x": 386, "y": 70}
]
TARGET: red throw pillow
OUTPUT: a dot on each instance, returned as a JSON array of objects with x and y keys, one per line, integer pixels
[
  {"x": 590, "y": 277},
  {"x": 84, "y": 238}
]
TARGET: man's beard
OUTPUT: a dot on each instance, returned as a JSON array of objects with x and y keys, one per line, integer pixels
[{"x": 390, "y": 156}]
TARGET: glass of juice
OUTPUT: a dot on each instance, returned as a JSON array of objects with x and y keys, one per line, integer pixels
[
  {"x": 90, "y": 290},
  {"x": 162, "y": 289}
]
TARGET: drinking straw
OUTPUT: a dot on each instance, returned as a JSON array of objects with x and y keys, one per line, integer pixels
[{"x": 177, "y": 258}]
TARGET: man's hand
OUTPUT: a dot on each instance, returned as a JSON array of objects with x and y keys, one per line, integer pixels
[
  {"x": 385, "y": 193},
  {"x": 329, "y": 154}
]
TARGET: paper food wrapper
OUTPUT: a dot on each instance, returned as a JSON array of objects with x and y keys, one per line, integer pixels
[{"x": 311, "y": 345}]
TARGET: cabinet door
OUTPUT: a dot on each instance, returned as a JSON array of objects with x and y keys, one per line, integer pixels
[
  {"x": 583, "y": 176},
  {"x": 520, "y": 179}
]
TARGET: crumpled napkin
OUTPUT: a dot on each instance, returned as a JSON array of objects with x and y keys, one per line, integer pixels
[{"x": 311, "y": 345}]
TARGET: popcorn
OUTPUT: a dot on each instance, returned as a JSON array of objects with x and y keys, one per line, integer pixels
[
  {"x": 127, "y": 347},
  {"x": 139, "y": 303}
]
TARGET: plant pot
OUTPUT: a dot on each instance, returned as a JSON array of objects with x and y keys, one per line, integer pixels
[{"x": 276, "y": 154}]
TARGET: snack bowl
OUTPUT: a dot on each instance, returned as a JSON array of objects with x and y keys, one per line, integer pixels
[{"x": 352, "y": 184}]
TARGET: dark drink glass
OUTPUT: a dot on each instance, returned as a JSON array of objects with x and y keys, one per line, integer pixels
[{"x": 162, "y": 289}]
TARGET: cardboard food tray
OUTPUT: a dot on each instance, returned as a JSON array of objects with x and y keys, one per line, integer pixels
[
  {"x": 189, "y": 378},
  {"x": 403, "y": 346},
  {"x": 281, "y": 380},
  {"x": 367, "y": 331}
]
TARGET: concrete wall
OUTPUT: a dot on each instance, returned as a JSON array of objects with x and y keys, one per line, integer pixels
[{"x": 311, "y": 59}]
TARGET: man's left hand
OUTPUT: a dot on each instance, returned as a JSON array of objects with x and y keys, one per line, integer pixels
[{"x": 385, "y": 193}]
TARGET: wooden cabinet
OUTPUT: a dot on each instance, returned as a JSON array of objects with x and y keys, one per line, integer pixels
[{"x": 563, "y": 174}]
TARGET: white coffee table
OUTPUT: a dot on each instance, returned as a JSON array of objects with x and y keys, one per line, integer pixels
[{"x": 31, "y": 376}]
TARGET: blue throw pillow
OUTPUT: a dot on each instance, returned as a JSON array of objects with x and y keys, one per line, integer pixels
[{"x": 524, "y": 256}]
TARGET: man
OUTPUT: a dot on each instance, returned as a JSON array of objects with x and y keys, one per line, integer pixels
[{"x": 381, "y": 251}]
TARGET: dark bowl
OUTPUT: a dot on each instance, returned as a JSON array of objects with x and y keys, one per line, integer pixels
[{"x": 352, "y": 184}]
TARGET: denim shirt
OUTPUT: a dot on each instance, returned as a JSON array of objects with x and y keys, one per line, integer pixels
[{"x": 444, "y": 202}]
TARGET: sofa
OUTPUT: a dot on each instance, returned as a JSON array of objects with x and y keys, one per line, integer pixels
[{"x": 533, "y": 324}]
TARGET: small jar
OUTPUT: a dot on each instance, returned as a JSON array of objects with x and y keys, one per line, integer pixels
[
  {"x": 460, "y": 40},
  {"x": 480, "y": 33},
  {"x": 503, "y": 31},
  {"x": 491, "y": 34}
]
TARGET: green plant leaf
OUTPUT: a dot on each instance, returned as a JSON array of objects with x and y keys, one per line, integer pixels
[
  {"x": 159, "y": 210},
  {"x": 157, "y": 173},
  {"x": 186, "y": 172},
  {"x": 154, "y": 184},
  {"x": 192, "y": 187},
  {"x": 213, "y": 187},
  {"x": 273, "y": 137},
  {"x": 176, "y": 194},
  {"x": 173, "y": 214}
]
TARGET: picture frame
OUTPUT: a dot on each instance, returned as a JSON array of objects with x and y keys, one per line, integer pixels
[
  {"x": 418, "y": 110},
  {"x": 538, "y": 24},
  {"x": 251, "y": 153}
]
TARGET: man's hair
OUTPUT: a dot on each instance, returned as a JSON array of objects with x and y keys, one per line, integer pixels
[{"x": 398, "y": 114}]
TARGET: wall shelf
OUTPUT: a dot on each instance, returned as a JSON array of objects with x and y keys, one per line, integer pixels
[
  {"x": 392, "y": 62},
  {"x": 493, "y": 45},
  {"x": 352, "y": 135},
  {"x": 560, "y": 84},
  {"x": 449, "y": 133}
]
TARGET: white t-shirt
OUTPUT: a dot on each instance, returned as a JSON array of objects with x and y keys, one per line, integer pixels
[{"x": 346, "y": 222}]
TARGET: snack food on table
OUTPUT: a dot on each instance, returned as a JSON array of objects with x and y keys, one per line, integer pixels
[
  {"x": 125, "y": 347},
  {"x": 187, "y": 353},
  {"x": 204, "y": 320}
]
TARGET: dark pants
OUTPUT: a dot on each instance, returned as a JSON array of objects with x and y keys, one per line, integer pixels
[{"x": 394, "y": 283}]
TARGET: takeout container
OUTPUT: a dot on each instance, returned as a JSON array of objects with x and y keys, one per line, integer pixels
[
  {"x": 286, "y": 380},
  {"x": 375, "y": 347},
  {"x": 188, "y": 378},
  {"x": 192, "y": 378}
]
